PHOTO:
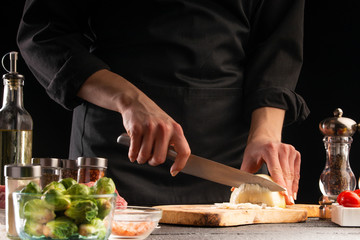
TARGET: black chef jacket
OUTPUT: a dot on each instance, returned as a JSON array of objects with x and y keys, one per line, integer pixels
[{"x": 208, "y": 64}]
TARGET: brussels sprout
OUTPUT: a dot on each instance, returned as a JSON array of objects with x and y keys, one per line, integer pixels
[
  {"x": 33, "y": 228},
  {"x": 38, "y": 211},
  {"x": 82, "y": 211},
  {"x": 60, "y": 228},
  {"x": 78, "y": 189},
  {"x": 95, "y": 228},
  {"x": 104, "y": 185},
  {"x": 68, "y": 182},
  {"x": 54, "y": 185},
  {"x": 57, "y": 200},
  {"x": 31, "y": 187},
  {"x": 104, "y": 206}
]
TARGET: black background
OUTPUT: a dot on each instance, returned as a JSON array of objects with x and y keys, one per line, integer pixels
[{"x": 329, "y": 79}]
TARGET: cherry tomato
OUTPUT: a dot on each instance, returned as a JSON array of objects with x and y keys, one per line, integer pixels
[
  {"x": 357, "y": 191},
  {"x": 339, "y": 198},
  {"x": 348, "y": 199}
]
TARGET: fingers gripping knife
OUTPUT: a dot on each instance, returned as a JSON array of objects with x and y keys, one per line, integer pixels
[{"x": 214, "y": 171}]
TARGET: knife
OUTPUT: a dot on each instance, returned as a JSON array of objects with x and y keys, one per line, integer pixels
[{"x": 214, "y": 171}]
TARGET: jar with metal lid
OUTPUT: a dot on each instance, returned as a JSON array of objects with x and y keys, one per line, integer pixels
[
  {"x": 337, "y": 175},
  {"x": 50, "y": 168},
  {"x": 90, "y": 169},
  {"x": 69, "y": 169},
  {"x": 17, "y": 177}
]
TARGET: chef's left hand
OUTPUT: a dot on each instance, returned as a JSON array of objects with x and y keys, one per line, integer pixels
[
  {"x": 264, "y": 146},
  {"x": 282, "y": 160}
]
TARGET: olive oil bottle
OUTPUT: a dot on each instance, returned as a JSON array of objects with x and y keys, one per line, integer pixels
[{"x": 16, "y": 125}]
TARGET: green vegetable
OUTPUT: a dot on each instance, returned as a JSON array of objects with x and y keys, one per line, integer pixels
[
  {"x": 104, "y": 206},
  {"x": 54, "y": 185},
  {"x": 68, "y": 182},
  {"x": 57, "y": 200},
  {"x": 82, "y": 211},
  {"x": 66, "y": 209},
  {"x": 38, "y": 211},
  {"x": 31, "y": 187},
  {"x": 33, "y": 228},
  {"x": 60, "y": 228},
  {"x": 104, "y": 185},
  {"x": 95, "y": 228},
  {"x": 78, "y": 189}
]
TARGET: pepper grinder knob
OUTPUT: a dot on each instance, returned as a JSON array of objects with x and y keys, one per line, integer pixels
[{"x": 338, "y": 112}]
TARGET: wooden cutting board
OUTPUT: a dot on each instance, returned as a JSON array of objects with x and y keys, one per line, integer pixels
[
  {"x": 210, "y": 215},
  {"x": 313, "y": 210}
]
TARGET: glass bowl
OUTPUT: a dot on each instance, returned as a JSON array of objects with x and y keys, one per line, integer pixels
[
  {"x": 67, "y": 217},
  {"x": 134, "y": 222}
]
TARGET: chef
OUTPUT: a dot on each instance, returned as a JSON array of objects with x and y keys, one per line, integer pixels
[{"x": 214, "y": 78}]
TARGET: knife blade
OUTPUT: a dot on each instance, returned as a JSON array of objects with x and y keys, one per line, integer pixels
[{"x": 214, "y": 171}]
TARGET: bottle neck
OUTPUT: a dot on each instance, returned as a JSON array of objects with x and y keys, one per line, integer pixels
[{"x": 13, "y": 93}]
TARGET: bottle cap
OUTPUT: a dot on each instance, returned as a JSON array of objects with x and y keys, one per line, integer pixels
[
  {"x": 47, "y": 162},
  {"x": 92, "y": 162},
  {"x": 20, "y": 171},
  {"x": 68, "y": 163},
  {"x": 12, "y": 73}
]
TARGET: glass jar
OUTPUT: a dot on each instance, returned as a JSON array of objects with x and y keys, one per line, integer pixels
[
  {"x": 90, "y": 169},
  {"x": 69, "y": 169},
  {"x": 337, "y": 175},
  {"x": 17, "y": 177},
  {"x": 50, "y": 168}
]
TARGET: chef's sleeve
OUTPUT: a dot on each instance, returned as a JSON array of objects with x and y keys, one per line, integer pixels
[
  {"x": 275, "y": 57},
  {"x": 54, "y": 39}
]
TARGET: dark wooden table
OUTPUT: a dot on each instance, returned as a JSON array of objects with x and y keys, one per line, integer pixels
[{"x": 313, "y": 228}]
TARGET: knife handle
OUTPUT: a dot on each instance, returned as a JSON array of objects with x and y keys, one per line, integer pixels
[{"x": 124, "y": 140}]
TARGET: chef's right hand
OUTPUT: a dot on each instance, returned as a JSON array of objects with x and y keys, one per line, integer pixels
[{"x": 151, "y": 130}]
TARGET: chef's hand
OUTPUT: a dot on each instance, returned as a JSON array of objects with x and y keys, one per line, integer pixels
[
  {"x": 150, "y": 129},
  {"x": 264, "y": 146}
]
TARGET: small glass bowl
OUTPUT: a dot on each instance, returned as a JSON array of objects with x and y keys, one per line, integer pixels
[
  {"x": 35, "y": 220},
  {"x": 134, "y": 222}
]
